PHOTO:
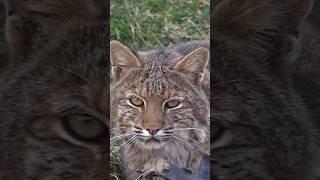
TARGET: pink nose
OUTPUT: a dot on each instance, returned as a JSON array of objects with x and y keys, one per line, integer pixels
[{"x": 153, "y": 131}]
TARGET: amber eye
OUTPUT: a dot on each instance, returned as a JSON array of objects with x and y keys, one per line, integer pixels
[
  {"x": 136, "y": 101},
  {"x": 172, "y": 104}
]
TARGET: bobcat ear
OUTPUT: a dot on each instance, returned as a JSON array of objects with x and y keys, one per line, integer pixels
[
  {"x": 122, "y": 56},
  {"x": 122, "y": 59},
  {"x": 194, "y": 64}
]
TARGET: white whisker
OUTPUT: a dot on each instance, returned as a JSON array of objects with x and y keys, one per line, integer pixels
[
  {"x": 126, "y": 142},
  {"x": 187, "y": 143},
  {"x": 186, "y": 136},
  {"x": 120, "y": 128},
  {"x": 120, "y": 136},
  {"x": 198, "y": 129}
]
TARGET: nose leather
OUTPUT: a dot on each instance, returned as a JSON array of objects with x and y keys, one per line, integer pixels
[{"x": 153, "y": 130}]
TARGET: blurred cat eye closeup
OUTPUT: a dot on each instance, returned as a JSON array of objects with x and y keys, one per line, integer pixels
[
  {"x": 54, "y": 90},
  {"x": 266, "y": 90}
]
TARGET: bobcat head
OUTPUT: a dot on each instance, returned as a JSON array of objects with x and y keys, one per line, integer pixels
[{"x": 156, "y": 96}]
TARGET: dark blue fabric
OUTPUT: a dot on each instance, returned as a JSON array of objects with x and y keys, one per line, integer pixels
[
  {"x": 175, "y": 173},
  {"x": 204, "y": 171}
]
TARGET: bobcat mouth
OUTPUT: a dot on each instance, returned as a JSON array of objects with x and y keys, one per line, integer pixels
[
  {"x": 152, "y": 139},
  {"x": 151, "y": 142}
]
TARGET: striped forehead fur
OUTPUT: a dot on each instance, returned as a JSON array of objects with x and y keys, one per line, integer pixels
[
  {"x": 155, "y": 78},
  {"x": 156, "y": 67}
]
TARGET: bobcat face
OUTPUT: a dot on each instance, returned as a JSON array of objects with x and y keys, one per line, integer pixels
[
  {"x": 260, "y": 128},
  {"x": 155, "y": 115},
  {"x": 155, "y": 104}
]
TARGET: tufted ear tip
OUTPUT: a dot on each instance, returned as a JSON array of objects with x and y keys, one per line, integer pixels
[{"x": 115, "y": 43}]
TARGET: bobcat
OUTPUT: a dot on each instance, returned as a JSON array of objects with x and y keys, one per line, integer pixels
[
  {"x": 265, "y": 74},
  {"x": 159, "y": 106},
  {"x": 54, "y": 97}
]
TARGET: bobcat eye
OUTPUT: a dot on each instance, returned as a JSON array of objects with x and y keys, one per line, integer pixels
[
  {"x": 172, "y": 104},
  {"x": 85, "y": 127},
  {"x": 136, "y": 101}
]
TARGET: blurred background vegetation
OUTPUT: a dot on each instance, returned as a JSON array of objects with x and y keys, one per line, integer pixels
[{"x": 142, "y": 24}]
